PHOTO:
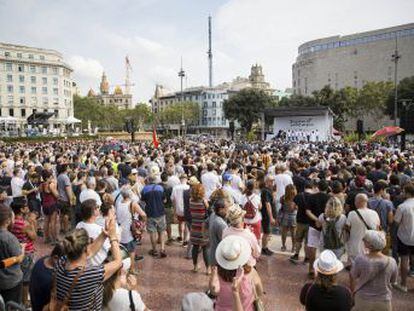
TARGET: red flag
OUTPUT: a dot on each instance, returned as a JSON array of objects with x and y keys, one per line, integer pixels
[{"x": 154, "y": 137}]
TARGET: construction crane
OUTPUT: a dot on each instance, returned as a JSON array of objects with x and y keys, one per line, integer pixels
[{"x": 127, "y": 85}]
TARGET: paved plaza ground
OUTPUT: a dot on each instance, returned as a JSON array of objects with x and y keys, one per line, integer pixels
[{"x": 163, "y": 282}]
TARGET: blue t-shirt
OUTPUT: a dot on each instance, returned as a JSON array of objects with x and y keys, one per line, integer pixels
[
  {"x": 153, "y": 196},
  {"x": 383, "y": 208},
  {"x": 40, "y": 285}
]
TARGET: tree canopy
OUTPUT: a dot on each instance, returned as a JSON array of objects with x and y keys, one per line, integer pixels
[
  {"x": 173, "y": 114},
  {"x": 246, "y": 106}
]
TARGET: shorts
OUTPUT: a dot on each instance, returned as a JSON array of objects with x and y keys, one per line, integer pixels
[
  {"x": 314, "y": 238},
  {"x": 403, "y": 249},
  {"x": 169, "y": 215},
  {"x": 64, "y": 208},
  {"x": 130, "y": 246},
  {"x": 34, "y": 206},
  {"x": 27, "y": 267},
  {"x": 158, "y": 224},
  {"x": 266, "y": 226},
  {"x": 47, "y": 211},
  {"x": 256, "y": 229},
  {"x": 301, "y": 233}
]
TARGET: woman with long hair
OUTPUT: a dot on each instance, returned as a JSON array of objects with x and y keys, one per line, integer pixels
[
  {"x": 49, "y": 197},
  {"x": 333, "y": 218},
  {"x": 199, "y": 228},
  {"x": 72, "y": 270},
  {"x": 252, "y": 204},
  {"x": 287, "y": 215},
  {"x": 324, "y": 293}
]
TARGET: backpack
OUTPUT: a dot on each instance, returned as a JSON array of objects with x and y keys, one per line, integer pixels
[
  {"x": 331, "y": 238},
  {"x": 250, "y": 209}
]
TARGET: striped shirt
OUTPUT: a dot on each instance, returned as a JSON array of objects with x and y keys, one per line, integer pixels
[
  {"x": 18, "y": 231},
  {"x": 88, "y": 291},
  {"x": 199, "y": 228}
]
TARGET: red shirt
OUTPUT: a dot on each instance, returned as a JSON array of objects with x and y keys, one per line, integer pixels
[{"x": 18, "y": 231}]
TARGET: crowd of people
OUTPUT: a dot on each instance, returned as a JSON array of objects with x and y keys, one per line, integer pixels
[{"x": 336, "y": 207}]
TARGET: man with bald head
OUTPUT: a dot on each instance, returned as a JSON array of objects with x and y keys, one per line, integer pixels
[{"x": 359, "y": 221}]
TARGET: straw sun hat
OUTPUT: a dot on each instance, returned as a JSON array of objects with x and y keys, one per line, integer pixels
[
  {"x": 328, "y": 263},
  {"x": 233, "y": 252}
]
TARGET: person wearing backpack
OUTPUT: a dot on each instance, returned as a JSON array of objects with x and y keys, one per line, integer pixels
[
  {"x": 333, "y": 222},
  {"x": 252, "y": 204}
]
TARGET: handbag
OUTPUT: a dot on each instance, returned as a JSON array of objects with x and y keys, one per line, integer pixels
[
  {"x": 257, "y": 303},
  {"x": 131, "y": 301},
  {"x": 137, "y": 226},
  {"x": 57, "y": 305}
]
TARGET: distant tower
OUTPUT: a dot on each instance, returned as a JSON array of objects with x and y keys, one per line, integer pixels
[
  {"x": 128, "y": 69},
  {"x": 181, "y": 75},
  {"x": 104, "y": 86},
  {"x": 210, "y": 55}
]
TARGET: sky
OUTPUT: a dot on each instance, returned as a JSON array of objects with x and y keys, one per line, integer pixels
[{"x": 96, "y": 35}]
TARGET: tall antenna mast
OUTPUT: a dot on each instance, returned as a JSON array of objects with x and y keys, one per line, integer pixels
[
  {"x": 128, "y": 69},
  {"x": 210, "y": 55}
]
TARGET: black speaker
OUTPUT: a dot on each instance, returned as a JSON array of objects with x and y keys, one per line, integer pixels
[{"x": 360, "y": 127}]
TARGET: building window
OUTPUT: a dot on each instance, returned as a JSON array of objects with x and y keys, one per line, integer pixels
[
  {"x": 10, "y": 88},
  {"x": 10, "y": 99},
  {"x": 9, "y": 67},
  {"x": 21, "y": 100},
  {"x": 7, "y": 54},
  {"x": 55, "y": 81},
  {"x": 23, "y": 112},
  {"x": 56, "y": 101},
  {"x": 33, "y": 90},
  {"x": 56, "y": 113},
  {"x": 44, "y": 80},
  {"x": 205, "y": 105},
  {"x": 42, "y": 57},
  {"x": 55, "y": 91},
  {"x": 45, "y": 101},
  {"x": 55, "y": 70},
  {"x": 33, "y": 79},
  {"x": 214, "y": 105},
  {"x": 22, "y": 89},
  {"x": 32, "y": 68},
  {"x": 44, "y": 90},
  {"x": 34, "y": 100},
  {"x": 44, "y": 69},
  {"x": 31, "y": 56},
  {"x": 20, "y": 68},
  {"x": 11, "y": 112},
  {"x": 19, "y": 55},
  {"x": 9, "y": 78},
  {"x": 21, "y": 79}
]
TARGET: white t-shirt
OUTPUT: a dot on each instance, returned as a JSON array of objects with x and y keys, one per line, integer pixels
[
  {"x": 255, "y": 199},
  {"x": 358, "y": 229},
  {"x": 173, "y": 181},
  {"x": 120, "y": 301},
  {"x": 211, "y": 182},
  {"x": 405, "y": 217},
  {"x": 178, "y": 199},
  {"x": 281, "y": 181},
  {"x": 94, "y": 230},
  {"x": 236, "y": 195},
  {"x": 124, "y": 219},
  {"x": 88, "y": 194},
  {"x": 16, "y": 186}
]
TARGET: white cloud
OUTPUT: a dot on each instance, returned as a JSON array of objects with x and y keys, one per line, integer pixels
[{"x": 86, "y": 67}]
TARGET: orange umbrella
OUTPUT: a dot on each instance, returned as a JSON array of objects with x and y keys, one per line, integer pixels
[{"x": 388, "y": 131}]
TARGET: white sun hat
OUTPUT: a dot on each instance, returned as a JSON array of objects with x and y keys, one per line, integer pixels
[
  {"x": 328, "y": 263},
  {"x": 233, "y": 252}
]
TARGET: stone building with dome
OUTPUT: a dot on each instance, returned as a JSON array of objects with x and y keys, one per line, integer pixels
[{"x": 118, "y": 97}]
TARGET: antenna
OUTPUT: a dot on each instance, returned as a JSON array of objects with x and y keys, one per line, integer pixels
[{"x": 210, "y": 55}]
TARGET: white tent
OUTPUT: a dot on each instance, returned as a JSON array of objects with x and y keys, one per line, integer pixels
[{"x": 72, "y": 120}]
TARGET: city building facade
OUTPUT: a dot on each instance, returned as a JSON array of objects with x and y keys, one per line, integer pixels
[
  {"x": 119, "y": 98},
  {"x": 210, "y": 100},
  {"x": 34, "y": 80},
  {"x": 353, "y": 60}
]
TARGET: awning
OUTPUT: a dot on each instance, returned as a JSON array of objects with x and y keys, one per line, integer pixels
[
  {"x": 72, "y": 120},
  {"x": 8, "y": 119},
  {"x": 39, "y": 118}
]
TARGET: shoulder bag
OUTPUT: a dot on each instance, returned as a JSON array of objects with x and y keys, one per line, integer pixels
[
  {"x": 257, "y": 303},
  {"x": 362, "y": 219},
  {"x": 131, "y": 301},
  {"x": 137, "y": 226}
]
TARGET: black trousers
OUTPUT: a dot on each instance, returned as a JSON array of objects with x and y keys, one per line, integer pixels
[
  {"x": 196, "y": 251},
  {"x": 13, "y": 294}
]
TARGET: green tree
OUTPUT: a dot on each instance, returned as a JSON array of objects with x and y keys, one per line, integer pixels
[
  {"x": 372, "y": 98},
  {"x": 174, "y": 114},
  {"x": 405, "y": 103},
  {"x": 246, "y": 106}
]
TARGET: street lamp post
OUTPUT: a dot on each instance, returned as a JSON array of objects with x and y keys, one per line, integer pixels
[
  {"x": 181, "y": 74},
  {"x": 395, "y": 58}
]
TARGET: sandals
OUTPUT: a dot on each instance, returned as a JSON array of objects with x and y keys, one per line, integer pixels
[
  {"x": 163, "y": 254},
  {"x": 153, "y": 253}
]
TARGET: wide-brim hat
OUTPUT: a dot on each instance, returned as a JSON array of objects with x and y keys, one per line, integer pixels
[
  {"x": 233, "y": 252},
  {"x": 328, "y": 263},
  {"x": 235, "y": 214}
]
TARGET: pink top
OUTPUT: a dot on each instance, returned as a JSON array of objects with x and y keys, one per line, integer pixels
[
  {"x": 250, "y": 237},
  {"x": 224, "y": 301}
]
